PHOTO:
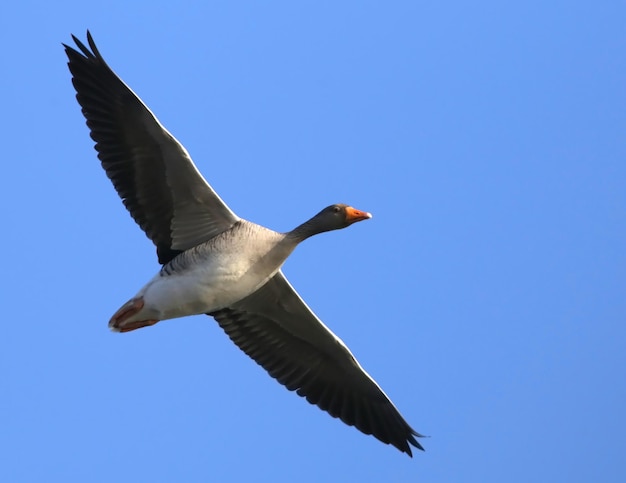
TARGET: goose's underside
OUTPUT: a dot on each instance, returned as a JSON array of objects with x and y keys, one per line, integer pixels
[{"x": 199, "y": 239}]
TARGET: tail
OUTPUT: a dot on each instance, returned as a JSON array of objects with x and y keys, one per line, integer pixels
[{"x": 128, "y": 317}]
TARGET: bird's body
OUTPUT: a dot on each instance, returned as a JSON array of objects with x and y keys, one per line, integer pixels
[
  {"x": 213, "y": 275},
  {"x": 216, "y": 263}
]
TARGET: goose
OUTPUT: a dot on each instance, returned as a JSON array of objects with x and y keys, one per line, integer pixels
[{"x": 215, "y": 263}]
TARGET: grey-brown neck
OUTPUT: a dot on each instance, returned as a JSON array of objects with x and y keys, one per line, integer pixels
[{"x": 307, "y": 229}]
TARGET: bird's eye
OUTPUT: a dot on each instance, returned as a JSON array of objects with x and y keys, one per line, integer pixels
[{"x": 336, "y": 209}]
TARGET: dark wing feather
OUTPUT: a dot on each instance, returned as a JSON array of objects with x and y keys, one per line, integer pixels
[
  {"x": 151, "y": 171},
  {"x": 276, "y": 328}
]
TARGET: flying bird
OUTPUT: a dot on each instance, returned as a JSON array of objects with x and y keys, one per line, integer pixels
[{"x": 215, "y": 263}]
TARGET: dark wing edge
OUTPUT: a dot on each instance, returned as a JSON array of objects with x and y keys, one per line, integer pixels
[
  {"x": 150, "y": 170},
  {"x": 280, "y": 333}
]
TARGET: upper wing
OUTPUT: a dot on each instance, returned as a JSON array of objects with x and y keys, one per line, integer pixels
[
  {"x": 276, "y": 328},
  {"x": 151, "y": 171}
]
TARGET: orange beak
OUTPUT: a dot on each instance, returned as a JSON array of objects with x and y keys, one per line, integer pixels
[{"x": 353, "y": 215}]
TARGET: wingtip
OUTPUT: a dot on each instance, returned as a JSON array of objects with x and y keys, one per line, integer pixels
[{"x": 412, "y": 441}]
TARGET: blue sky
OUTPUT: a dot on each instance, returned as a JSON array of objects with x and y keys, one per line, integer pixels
[{"x": 486, "y": 296}]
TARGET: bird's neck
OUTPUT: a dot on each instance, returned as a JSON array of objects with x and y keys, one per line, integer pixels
[{"x": 304, "y": 231}]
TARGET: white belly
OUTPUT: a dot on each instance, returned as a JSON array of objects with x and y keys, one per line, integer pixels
[
  {"x": 215, "y": 275},
  {"x": 214, "y": 279},
  {"x": 203, "y": 289}
]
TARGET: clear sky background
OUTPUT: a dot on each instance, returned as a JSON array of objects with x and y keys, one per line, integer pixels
[{"x": 486, "y": 296}]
